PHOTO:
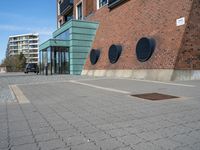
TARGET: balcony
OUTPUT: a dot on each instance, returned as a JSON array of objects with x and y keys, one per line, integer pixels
[
  {"x": 33, "y": 39},
  {"x": 66, "y": 6},
  {"x": 114, "y": 3}
]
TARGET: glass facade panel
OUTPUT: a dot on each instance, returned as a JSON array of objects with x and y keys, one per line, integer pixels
[
  {"x": 63, "y": 36},
  {"x": 53, "y": 62},
  {"x": 44, "y": 61},
  {"x": 56, "y": 59},
  {"x": 49, "y": 60},
  {"x": 57, "y": 66}
]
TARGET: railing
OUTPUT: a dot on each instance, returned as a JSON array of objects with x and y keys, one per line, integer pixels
[
  {"x": 65, "y": 5},
  {"x": 113, "y": 3}
]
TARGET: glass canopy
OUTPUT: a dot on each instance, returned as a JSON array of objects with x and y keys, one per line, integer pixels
[{"x": 54, "y": 57}]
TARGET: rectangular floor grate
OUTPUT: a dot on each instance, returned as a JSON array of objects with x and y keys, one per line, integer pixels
[{"x": 154, "y": 96}]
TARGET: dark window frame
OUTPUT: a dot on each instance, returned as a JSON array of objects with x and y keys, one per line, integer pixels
[
  {"x": 79, "y": 11},
  {"x": 114, "y": 3},
  {"x": 102, "y": 3}
]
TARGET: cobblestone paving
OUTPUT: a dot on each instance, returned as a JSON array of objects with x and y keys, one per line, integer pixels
[
  {"x": 69, "y": 116},
  {"x": 20, "y": 78}
]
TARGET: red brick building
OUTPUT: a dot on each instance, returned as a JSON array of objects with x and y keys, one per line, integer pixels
[{"x": 156, "y": 39}]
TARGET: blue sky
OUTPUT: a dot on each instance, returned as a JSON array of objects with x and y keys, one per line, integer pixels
[{"x": 26, "y": 16}]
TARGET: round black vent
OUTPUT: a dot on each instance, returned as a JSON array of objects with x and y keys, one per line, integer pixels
[
  {"x": 114, "y": 53},
  {"x": 145, "y": 48},
  {"x": 94, "y": 56}
]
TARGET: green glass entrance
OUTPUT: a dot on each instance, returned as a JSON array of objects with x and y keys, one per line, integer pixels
[
  {"x": 75, "y": 35},
  {"x": 54, "y": 60}
]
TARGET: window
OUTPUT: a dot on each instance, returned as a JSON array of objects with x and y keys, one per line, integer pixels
[
  {"x": 69, "y": 17},
  {"x": 101, "y": 3},
  {"x": 79, "y": 11},
  {"x": 145, "y": 48},
  {"x": 114, "y": 3},
  {"x": 59, "y": 23},
  {"x": 59, "y": 3}
]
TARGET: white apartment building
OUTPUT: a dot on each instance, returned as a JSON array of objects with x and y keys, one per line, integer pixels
[{"x": 28, "y": 44}]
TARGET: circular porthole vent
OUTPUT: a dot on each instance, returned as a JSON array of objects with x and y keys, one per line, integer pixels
[
  {"x": 114, "y": 53},
  {"x": 94, "y": 56},
  {"x": 145, "y": 48}
]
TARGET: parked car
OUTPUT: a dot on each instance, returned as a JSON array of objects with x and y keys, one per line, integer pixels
[{"x": 31, "y": 67}]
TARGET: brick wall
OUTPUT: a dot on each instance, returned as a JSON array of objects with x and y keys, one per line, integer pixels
[
  {"x": 59, "y": 17},
  {"x": 89, "y": 7},
  {"x": 189, "y": 54},
  {"x": 130, "y": 21}
]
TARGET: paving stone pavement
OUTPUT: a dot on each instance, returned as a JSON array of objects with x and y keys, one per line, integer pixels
[
  {"x": 21, "y": 78},
  {"x": 97, "y": 114}
]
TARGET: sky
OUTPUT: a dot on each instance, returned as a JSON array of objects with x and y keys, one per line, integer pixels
[{"x": 26, "y": 16}]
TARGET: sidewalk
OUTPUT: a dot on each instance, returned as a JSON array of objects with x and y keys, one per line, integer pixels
[{"x": 81, "y": 113}]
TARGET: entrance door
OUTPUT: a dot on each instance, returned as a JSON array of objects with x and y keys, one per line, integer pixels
[{"x": 61, "y": 59}]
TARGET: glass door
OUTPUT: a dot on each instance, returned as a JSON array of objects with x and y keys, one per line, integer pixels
[
  {"x": 61, "y": 62},
  {"x": 64, "y": 62}
]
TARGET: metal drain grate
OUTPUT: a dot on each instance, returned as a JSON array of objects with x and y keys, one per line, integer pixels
[{"x": 154, "y": 96}]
